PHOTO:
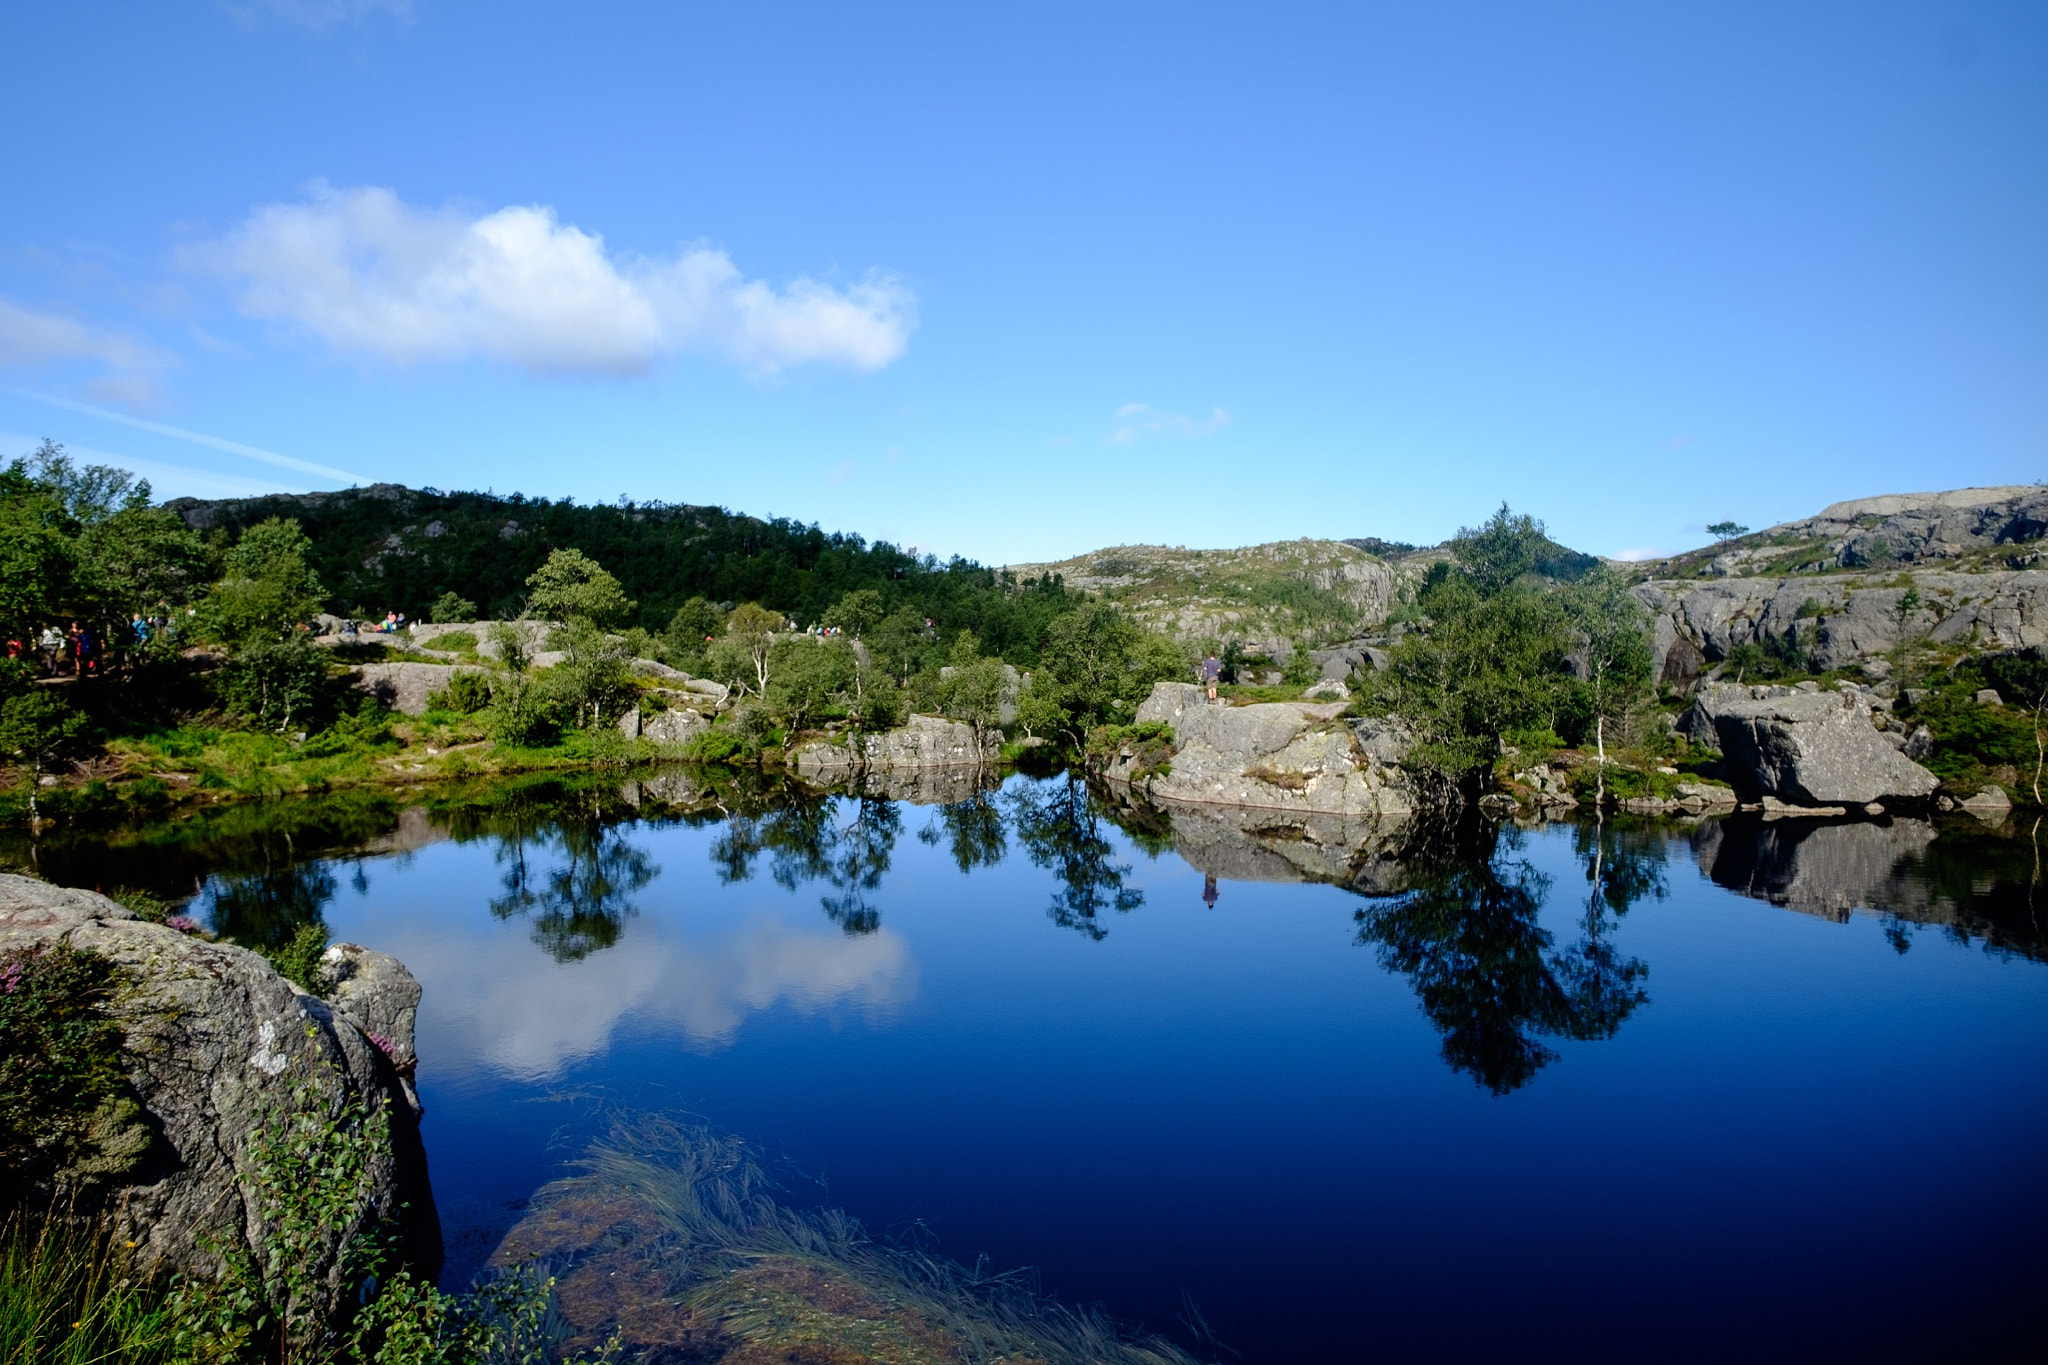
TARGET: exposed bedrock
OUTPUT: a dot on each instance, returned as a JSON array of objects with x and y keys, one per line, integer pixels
[
  {"x": 924, "y": 742},
  {"x": 1809, "y": 748},
  {"x": 1837, "y": 619},
  {"x": 1283, "y": 756},
  {"x": 216, "y": 1043}
]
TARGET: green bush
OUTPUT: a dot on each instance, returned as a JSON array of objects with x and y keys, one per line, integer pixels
[
  {"x": 466, "y": 694},
  {"x": 62, "y": 1092},
  {"x": 452, "y": 606}
]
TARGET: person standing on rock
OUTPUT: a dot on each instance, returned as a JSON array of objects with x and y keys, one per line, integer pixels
[{"x": 1212, "y": 670}]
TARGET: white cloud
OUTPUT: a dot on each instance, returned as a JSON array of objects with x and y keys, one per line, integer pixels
[
  {"x": 372, "y": 276},
  {"x": 128, "y": 368},
  {"x": 317, "y": 15},
  {"x": 1639, "y": 552},
  {"x": 1135, "y": 421}
]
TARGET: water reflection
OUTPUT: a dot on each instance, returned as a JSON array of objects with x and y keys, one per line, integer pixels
[
  {"x": 1468, "y": 937},
  {"x": 1456, "y": 909},
  {"x": 1062, "y": 829},
  {"x": 806, "y": 840}
]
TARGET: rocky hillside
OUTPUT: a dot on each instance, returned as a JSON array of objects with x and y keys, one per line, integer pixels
[
  {"x": 1951, "y": 572},
  {"x": 1265, "y": 595}
]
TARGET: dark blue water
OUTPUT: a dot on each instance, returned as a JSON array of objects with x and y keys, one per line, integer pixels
[{"x": 1470, "y": 1117}]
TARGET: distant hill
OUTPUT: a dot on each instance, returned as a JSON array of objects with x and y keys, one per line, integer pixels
[
  {"x": 1264, "y": 595},
  {"x": 392, "y": 548}
]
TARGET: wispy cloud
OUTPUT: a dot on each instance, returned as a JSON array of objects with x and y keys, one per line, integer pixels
[
  {"x": 166, "y": 479},
  {"x": 1637, "y": 552},
  {"x": 372, "y": 276},
  {"x": 199, "y": 438},
  {"x": 129, "y": 368},
  {"x": 1135, "y": 421},
  {"x": 316, "y": 15}
]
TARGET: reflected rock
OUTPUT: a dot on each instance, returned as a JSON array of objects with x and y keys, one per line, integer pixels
[
  {"x": 1237, "y": 844},
  {"x": 1819, "y": 869},
  {"x": 416, "y": 829}
]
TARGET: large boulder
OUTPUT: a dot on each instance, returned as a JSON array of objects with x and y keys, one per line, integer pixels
[
  {"x": 1812, "y": 748},
  {"x": 922, "y": 742},
  {"x": 1823, "y": 869},
  {"x": 216, "y": 1045},
  {"x": 404, "y": 687},
  {"x": 1287, "y": 756}
]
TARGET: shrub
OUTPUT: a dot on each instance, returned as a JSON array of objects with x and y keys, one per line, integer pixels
[
  {"x": 452, "y": 606},
  {"x": 62, "y": 1091},
  {"x": 466, "y": 694}
]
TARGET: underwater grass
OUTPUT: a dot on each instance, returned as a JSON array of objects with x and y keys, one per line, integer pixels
[
  {"x": 736, "y": 1254},
  {"x": 65, "y": 1299}
]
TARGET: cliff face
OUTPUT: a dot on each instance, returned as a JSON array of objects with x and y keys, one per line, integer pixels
[
  {"x": 217, "y": 1046},
  {"x": 1859, "y": 579}
]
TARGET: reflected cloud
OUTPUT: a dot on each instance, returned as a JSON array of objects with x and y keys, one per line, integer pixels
[{"x": 497, "y": 1005}]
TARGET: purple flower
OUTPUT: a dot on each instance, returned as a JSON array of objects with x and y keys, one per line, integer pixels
[
  {"x": 381, "y": 1043},
  {"x": 184, "y": 924},
  {"x": 10, "y": 980}
]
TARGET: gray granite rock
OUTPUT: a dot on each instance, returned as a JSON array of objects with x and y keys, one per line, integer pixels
[
  {"x": 215, "y": 1042},
  {"x": 1804, "y": 748},
  {"x": 1285, "y": 756}
]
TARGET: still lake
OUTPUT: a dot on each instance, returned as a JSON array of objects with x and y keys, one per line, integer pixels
[{"x": 1620, "y": 1092}]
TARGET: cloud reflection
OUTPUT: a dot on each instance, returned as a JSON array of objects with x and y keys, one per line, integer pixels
[{"x": 496, "y": 1006}]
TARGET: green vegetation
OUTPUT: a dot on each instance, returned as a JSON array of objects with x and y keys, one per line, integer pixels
[
  {"x": 65, "y": 1107},
  {"x": 1520, "y": 636}
]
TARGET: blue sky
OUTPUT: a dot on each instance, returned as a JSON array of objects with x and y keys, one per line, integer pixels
[{"x": 1017, "y": 282}]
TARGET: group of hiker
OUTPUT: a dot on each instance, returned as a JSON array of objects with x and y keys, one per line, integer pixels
[{"x": 79, "y": 649}]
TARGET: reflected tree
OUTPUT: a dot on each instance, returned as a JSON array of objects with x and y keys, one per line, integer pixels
[
  {"x": 845, "y": 843},
  {"x": 1061, "y": 830},
  {"x": 264, "y": 909},
  {"x": 580, "y": 897},
  {"x": 972, "y": 830},
  {"x": 1468, "y": 935}
]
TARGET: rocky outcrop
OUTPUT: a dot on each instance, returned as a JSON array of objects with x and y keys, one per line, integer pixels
[
  {"x": 1899, "y": 528},
  {"x": 1835, "y": 620},
  {"x": 1283, "y": 756},
  {"x": 216, "y": 1045},
  {"x": 1805, "y": 747},
  {"x": 404, "y": 687},
  {"x": 923, "y": 742}
]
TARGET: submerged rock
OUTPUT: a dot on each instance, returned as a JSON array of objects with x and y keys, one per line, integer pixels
[
  {"x": 216, "y": 1045},
  {"x": 1806, "y": 748}
]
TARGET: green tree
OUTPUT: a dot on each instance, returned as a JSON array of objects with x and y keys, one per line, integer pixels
[
  {"x": 744, "y": 655},
  {"x": 809, "y": 675},
  {"x": 971, "y": 688},
  {"x": 856, "y": 613},
  {"x": 591, "y": 682},
  {"x": 572, "y": 586},
  {"x": 1095, "y": 666},
  {"x": 267, "y": 587},
  {"x": 1613, "y": 654},
  {"x": 35, "y": 727},
  {"x": 1727, "y": 530},
  {"x": 453, "y": 606}
]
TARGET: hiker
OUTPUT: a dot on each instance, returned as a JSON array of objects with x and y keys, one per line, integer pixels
[
  {"x": 52, "y": 646},
  {"x": 1212, "y": 670}
]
